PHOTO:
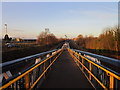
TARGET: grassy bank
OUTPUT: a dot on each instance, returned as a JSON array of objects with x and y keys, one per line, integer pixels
[{"x": 15, "y": 53}]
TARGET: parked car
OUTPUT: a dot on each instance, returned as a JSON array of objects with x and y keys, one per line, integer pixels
[{"x": 9, "y": 45}]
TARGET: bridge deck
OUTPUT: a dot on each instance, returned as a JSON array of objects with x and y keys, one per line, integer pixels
[{"x": 66, "y": 74}]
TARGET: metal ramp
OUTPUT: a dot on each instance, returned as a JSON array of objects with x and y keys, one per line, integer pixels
[
  {"x": 66, "y": 74},
  {"x": 61, "y": 68}
]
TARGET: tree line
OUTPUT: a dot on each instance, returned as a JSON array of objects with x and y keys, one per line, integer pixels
[
  {"x": 47, "y": 38},
  {"x": 108, "y": 40}
]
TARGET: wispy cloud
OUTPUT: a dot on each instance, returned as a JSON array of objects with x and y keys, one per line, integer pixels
[
  {"x": 18, "y": 30},
  {"x": 91, "y": 14}
]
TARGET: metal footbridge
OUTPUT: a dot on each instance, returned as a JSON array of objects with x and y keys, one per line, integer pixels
[{"x": 60, "y": 68}]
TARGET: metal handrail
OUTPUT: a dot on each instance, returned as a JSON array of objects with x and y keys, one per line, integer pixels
[
  {"x": 26, "y": 78},
  {"x": 111, "y": 61},
  {"x": 102, "y": 58},
  {"x": 14, "y": 64},
  {"x": 26, "y": 75},
  {"x": 2, "y": 65},
  {"x": 87, "y": 64}
]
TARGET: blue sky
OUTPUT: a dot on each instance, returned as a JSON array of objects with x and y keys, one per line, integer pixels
[{"x": 28, "y": 19}]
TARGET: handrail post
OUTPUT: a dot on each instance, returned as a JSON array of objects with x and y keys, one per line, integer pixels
[
  {"x": 111, "y": 82},
  {"x": 50, "y": 63},
  {"x": 27, "y": 81},
  {"x": 77, "y": 61},
  {"x": 90, "y": 68},
  {"x": 50, "y": 60},
  {"x": 83, "y": 64},
  {"x": 44, "y": 69}
]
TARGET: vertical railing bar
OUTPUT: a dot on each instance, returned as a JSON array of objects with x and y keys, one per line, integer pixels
[
  {"x": 111, "y": 82},
  {"x": 27, "y": 81},
  {"x": 44, "y": 66},
  {"x": 50, "y": 63},
  {"x": 83, "y": 64},
  {"x": 90, "y": 68}
]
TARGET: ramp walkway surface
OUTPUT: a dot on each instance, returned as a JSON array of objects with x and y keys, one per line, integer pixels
[{"x": 65, "y": 74}]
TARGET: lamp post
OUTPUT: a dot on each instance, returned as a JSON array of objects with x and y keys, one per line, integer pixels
[
  {"x": 66, "y": 36},
  {"x": 47, "y": 32},
  {"x": 6, "y": 37},
  {"x": 6, "y": 28}
]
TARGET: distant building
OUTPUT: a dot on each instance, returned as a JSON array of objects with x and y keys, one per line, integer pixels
[
  {"x": 18, "y": 39},
  {"x": 23, "y": 40},
  {"x": 29, "y": 40}
]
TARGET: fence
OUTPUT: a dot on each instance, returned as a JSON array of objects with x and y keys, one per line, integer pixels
[
  {"x": 98, "y": 75},
  {"x": 33, "y": 75}
]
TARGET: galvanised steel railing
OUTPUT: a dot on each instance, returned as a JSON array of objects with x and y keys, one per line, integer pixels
[
  {"x": 25, "y": 60},
  {"x": 11, "y": 68},
  {"x": 98, "y": 75},
  {"x": 33, "y": 75},
  {"x": 108, "y": 60}
]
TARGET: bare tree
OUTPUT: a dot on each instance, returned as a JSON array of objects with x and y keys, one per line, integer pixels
[
  {"x": 109, "y": 40},
  {"x": 46, "y": 38}
]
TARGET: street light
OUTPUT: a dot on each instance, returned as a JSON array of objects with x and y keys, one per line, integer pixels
[
  {"x": 6, "y": 28},
  {"x": 66, "y": 36},
  {"x": 47, "y": 32}
]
